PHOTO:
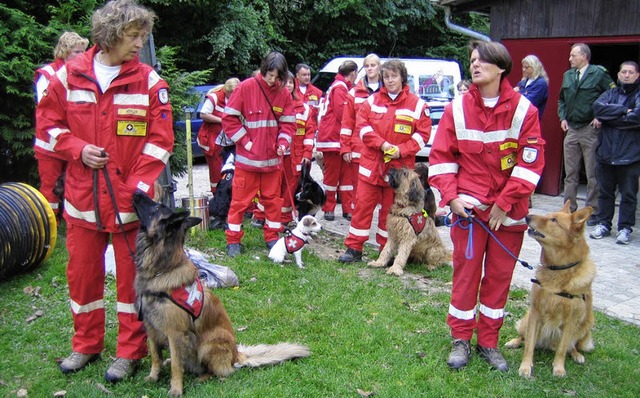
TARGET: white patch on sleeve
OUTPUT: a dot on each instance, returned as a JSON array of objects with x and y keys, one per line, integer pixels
[
  {"x": 529, "y": 155},
  {"x": 163, "y": 95}
]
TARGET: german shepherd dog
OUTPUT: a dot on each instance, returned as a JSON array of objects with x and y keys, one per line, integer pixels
[
  {"x": 309, "y": 196},
  {"x": 178, "y": 313},
  {"x": 412, "y": 234},
  {"x": 560, "y": 315}
]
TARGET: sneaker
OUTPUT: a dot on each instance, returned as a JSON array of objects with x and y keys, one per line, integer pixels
[
  {"x": 493, "y": 357},
  {"x": 120, "y": 369},
  {"x": 233, "y": 249},
  {"x": 77, "y": 361},
  {"x": 347, "y": 216},
  {"x": 329, "y": 216},
  {"x": 257, "y": 222},
  {"x": 460, "y": 354},
  {"x": 350, "y": 256},
  {"x": 624, "y": 236},
  {"x": 271, "y": 243},
  {"x": 599, "y": 232}
]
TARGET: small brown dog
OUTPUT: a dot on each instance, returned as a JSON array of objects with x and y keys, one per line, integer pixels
[
  {"x": 560, "y": 315},
  {"x": 412, "y": 234},
  {"x": 178, "y": 313}
]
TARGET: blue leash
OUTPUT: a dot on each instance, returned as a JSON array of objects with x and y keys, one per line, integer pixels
[{"x": 468, "y": 224}]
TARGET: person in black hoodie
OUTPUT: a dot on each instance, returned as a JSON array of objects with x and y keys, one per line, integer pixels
[{"x": 618, "y": 153}]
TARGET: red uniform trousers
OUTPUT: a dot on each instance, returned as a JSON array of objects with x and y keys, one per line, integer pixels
[
  {"x": 354, "y": 168},
  {"x": 86, "y": 275},
  {"x": 288, "y": 186},
  {"x": 245, "y": 186},
  {"x": 493, "y": 286},
  {"x": 214, "y": 161},
  {"x": 50, "y": 169},
  {"x": 338, "y": 176},
  {"x": 369, "y": 196}
]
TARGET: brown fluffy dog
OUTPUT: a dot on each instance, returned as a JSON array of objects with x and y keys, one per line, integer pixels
[
  {"x": 412, "y": 235},
  {"x": 560, "y": 316},
  {"x": 191, "y": 322}
]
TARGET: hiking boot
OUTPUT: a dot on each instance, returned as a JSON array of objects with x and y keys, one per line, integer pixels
[
  {"x": 493, "y": 357},
  {"x": 258, "y": 223},
  {"x": 329, "y": 216},
  {"x": 271, "y": 243},
  {"x": 233, "y": 249},
  {"x": 624, "y": 236},
  {"x": 460, "y": 354},
  {"x": 347, "y": 216},
  {"x": 599, "y": 232},
  {"x": 350, "y": 256},
  {"x": 120, "y": 369},
  {"x": 77, "y": 361}
]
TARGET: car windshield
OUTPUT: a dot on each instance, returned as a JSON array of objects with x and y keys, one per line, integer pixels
[{"x": 435, "y": 87}]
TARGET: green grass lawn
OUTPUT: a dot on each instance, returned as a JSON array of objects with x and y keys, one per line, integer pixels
[{"x": 368, "y": 331}]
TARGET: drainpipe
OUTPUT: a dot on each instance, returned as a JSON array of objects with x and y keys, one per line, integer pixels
[{"x": 462, "y": 29}]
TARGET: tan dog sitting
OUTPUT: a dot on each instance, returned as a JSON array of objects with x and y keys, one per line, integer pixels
[
  {"x": 560, "y": 315},
  {"x": 412, "y": 234}
]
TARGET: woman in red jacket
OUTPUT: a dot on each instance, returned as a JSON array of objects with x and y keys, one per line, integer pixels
[
  {"x": 486, "y": 161},
  {"x": 393, "y": 123},
  {"x": 260, "y": 120}
]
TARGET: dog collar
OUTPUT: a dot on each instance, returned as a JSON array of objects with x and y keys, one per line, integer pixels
[{"x": 561, "y": 267}]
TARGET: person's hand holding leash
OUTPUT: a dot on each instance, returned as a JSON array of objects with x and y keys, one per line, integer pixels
[
  {"x": 92, "y": 156},
  {"x": 460, "y": 207}
]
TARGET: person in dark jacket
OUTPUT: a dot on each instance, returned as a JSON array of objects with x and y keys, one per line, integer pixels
[
  {"x": 618, "y": 153},
  {"x": 535, "y": 83}
]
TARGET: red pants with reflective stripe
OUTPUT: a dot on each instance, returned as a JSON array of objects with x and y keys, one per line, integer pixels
[
  {"x": 337, "y": 177},
  {"x": 493, "y": 287},
  {"x": 50, "y": 169},
  {"x": 214, "y": 161},
  {"x": 354, "y": 168},
  {"x": 86, "y": 275},
  {"x": 369, "y": 196},
  {"x": 245, "y": 186},
  {"x": 288, "y": 186}
]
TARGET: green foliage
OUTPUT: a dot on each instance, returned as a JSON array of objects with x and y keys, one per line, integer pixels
[{"x": 180, "y": 82}]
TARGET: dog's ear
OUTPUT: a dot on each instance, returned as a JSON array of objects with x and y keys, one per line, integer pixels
[
  {"x": 193, "y": 221},
  {"x": 579, "y": 217},
  {"x": 567, "y": 206}
]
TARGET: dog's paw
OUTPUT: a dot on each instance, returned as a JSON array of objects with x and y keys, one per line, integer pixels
[
  {"x": 376, "y": 264},
  {"x": 586, "y": 346},
  {"x": 175, "y": 392},
  {"x": 301, "y": 265},
  {"x": 525, "y": 371},
  {"x": 514, "y": 343},
  {"x": 577, "y": 357},
  {"x": 559, "y": 371},
  {"x": 395, "y": 271},
  {"x": 151, "y": 378}
]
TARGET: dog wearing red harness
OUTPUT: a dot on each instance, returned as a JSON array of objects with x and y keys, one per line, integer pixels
[
  {"x": 294, "y": 240},
  {"x": 412, "y": 232}
]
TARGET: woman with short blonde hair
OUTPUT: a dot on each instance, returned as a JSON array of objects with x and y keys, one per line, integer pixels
[{"x": 535, "y": 83}]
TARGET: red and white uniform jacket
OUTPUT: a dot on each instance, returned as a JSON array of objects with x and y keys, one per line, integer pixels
[
  {"x": 350, "y": 142},
  {"x": 42, "y": 146},
  {"x": 310, "y": 97},
  {"x": 249, "y": 122},
  {"x": 210, "y": 131},
  {"x": 302, "y": 143},
  {"x": 331, "y": 111},
  {"x": 488, "y": 159},
  {"x": 404, "y": 122},
  {"x": 132, "y": 121}
]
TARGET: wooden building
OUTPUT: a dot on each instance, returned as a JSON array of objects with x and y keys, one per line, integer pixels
[{"x": 548, "y": 29}]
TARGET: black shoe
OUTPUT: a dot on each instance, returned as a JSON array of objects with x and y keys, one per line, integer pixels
[
  {"x": 460, "y": 354},
  {"x": 271, "y": 243},
  {"x": 234, "y": 249},
  {"x": 258, "y": 223},
  {"x": 216, "y": 223},
  {"x": 592, "y": 221},
  {"x": 347, "y": 216},
  {"x": 493, "y": 357},
  {"x": 350, "y": 256},
  {"x": 329, "y": 216}
]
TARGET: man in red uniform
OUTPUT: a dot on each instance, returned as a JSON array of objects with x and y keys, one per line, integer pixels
[
  {"x": 260, "y": 120},
  {"x": 486, "y": 160},
  {"x": 393, "y": 124},
  {"x": 336, "y": 171},
  {"x": 109, "y": 116},
  {"x": 210, "y": 138},
  {"x": 307, "y": 92},
  {"x": 350, "y": 144},
  {"x": 51, "y": 166}
]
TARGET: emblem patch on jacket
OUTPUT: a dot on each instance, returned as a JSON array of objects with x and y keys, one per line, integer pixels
[
  {"x": 529, "y": 155},
  {"x": 163, "y": 96},
  {"x": 508, "y": 161},
  {"x": 190, "y": 298},
  {"x": 131, "y": 128}
]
